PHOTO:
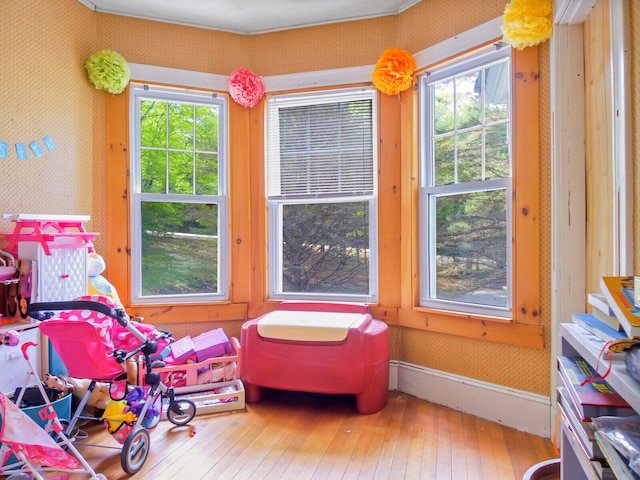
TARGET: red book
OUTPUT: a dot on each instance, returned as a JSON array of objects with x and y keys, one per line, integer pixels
[{"x": 594, "y": 398}]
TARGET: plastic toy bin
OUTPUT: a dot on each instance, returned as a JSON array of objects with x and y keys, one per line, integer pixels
[
  {"x": 199, "y": 376},
  {"x": 62, "y": 408}
]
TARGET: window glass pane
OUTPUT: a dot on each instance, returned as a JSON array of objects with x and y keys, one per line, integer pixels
[
  {"x": 181, "y": 127},
  {"x": 207, "y": 128},
  {"x": 445, "y": 160},
  {"x": 468, "y": 100},
  {"x": 443, "y": 107},
  {"x": 153, "y": 124},
  {"x": 153, "y": 171},
  {"x": 497, "y": 92},
  {"x": 325, "y": 248},
  {"x": 470, "y": 156},
  {"x": 471, "y": 248},
  {"x": 181, "y": 173},
  {"x": 179, "y": 248},
  {"x": 498, "y": 164},
  {"x": 206, "y": 174}
]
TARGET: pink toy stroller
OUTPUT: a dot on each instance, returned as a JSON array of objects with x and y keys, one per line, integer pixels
[
  {"x": 94, "y": 338},
  {"x": 25, "y": 446}
]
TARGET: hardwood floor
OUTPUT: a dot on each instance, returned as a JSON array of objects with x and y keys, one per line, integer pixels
[{"x": 301, "y": 436}]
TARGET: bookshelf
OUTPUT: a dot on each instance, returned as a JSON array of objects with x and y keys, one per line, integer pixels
[{"x": 577, "y": 341}]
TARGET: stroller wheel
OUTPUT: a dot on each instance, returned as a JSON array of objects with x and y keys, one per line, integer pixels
[
  {"x": 181, "y": 412},
  {"x": 135, "y": 450}
]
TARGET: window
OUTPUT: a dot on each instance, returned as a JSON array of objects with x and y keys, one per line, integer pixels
[
  {"x": 178, "y": 196},
  {"x": 465, "y": 186},
  {"x": 321, "y": 187}
]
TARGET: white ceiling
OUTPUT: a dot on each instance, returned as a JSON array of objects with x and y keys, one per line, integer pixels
[{"x": 250, "y": 16}]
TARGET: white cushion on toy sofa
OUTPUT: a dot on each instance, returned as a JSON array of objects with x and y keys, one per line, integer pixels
[{"x": 308, "y": 326}]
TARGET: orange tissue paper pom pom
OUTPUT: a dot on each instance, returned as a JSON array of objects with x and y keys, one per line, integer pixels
[
  {"x": 527, "y": 22},
  {"x": 394, "y": 71}
]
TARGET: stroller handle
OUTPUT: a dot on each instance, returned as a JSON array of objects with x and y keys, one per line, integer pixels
[{"x": 44, "y": 310}]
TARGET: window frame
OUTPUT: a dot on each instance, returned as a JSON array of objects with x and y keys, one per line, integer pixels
[
  {"x": 146, "y": 91},
  {"x": 525, "y": 327},
  {"x": 430, "y": 191},
  {"x": 275, "y": 203}
]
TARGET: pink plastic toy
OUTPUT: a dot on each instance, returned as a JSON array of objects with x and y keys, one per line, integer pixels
[
  {"x": 306, "y": 347},
  {"x": 10, "y": 338},
  {"x": 92, "y": 337},
  {"x": 185, "y": 377}
]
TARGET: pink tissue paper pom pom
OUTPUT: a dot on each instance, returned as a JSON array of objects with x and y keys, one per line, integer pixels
[{"x": 245, "y": 87}]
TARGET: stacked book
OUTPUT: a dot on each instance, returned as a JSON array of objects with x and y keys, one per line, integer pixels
[
  {"x": 602, "y": 321},
  {"x": 583, "y": 394},
  {"x": 619, "y": 293},
  {"x": 580, "y": 401},
  {"x": 614, "y": 313}
]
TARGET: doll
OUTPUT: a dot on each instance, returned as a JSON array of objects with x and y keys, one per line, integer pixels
[{"x": 98, "y": 284}]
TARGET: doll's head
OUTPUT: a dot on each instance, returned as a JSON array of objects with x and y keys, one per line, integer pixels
[{"x": 95, "y": 264}]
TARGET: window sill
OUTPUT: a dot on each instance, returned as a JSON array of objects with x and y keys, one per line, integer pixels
[
  {"x": 492, "y": 329},
  {"x": 193, "y": 312}
]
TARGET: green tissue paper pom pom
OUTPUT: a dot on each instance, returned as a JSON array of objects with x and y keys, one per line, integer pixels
[{"x": 109, "y": 71}]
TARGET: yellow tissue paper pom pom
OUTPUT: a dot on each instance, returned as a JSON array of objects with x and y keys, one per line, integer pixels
[
  {"x": 394, "y": 71},
  {"x": 527, "y": 22},
  {"x": 108, "y": 70}
]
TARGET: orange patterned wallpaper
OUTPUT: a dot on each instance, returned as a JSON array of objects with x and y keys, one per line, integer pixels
[
  {"x": 300, "y": 50},
  {"x": 44, "y": 91}
]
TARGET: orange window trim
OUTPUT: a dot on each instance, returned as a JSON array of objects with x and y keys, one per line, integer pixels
[
  {"x": 524, "y": 329},
  {"x": 397, "y": 219},
  {"x": 118, "y": 221}
]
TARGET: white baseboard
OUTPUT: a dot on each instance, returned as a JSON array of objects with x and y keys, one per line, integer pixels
[{"x": 518, "y": 409}]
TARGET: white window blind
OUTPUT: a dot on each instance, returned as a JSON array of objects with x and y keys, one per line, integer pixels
[{"x": 320, "y": 145}]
